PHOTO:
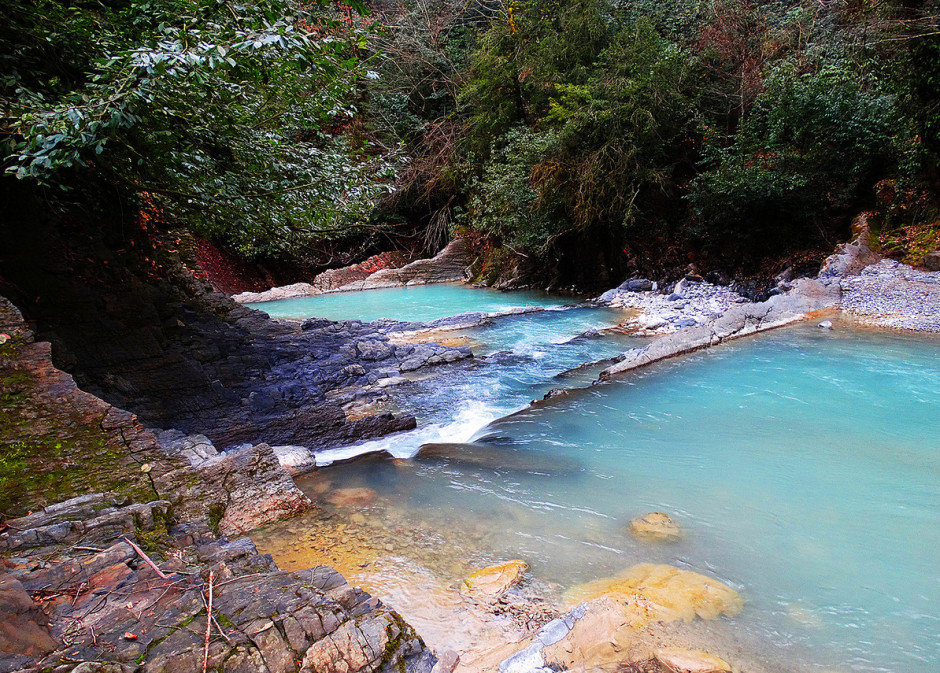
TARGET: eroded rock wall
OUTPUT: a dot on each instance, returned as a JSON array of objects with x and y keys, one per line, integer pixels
[{"x": 127, "y": 318}]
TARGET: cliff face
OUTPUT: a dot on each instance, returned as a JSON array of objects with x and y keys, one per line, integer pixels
[
  {"x": 134, "y": 327},
  {"x": 59, "y": 441}
]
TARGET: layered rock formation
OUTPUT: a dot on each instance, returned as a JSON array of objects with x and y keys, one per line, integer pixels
[
  {"x": 122, "y": 580},
  {"x": 136, "y": 327},
  {"x": 58, "y": 440},
  {"x": 854, "y": 279},
  {"x": 104, "y": 604},
  {"x": 449, "y": 264},
  {"x": 741, "y": 320}
]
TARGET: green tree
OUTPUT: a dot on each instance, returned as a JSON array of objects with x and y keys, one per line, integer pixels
[
  {"x": 804, "y": 158},
  {"x": 225, "y": 113}
]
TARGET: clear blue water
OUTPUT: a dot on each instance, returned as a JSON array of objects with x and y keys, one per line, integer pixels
[
  {"x": 419, "y": 303},
  {"x": 804, "y": 466}
]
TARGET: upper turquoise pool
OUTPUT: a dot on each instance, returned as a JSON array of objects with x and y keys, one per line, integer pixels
[{"x": 419, "y": 303}]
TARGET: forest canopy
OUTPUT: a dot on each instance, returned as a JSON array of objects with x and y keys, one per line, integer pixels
[{"x": 735, "y": 128}]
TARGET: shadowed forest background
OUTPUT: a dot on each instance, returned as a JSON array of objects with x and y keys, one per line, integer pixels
[{"x": 580, "y": 140}]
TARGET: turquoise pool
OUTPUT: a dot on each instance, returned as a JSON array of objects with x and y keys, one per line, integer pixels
[
  {"x": 419, "y": 303},
  {"x": 803, "y": 464}
]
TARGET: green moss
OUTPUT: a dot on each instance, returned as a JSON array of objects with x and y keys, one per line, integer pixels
[
  {"x": 223, "y": 620},
  {"x": 63, "y": 459},
  {"x": 214, "y": 513},
  {"x": 156, "y": 539},
  {"x": 395, "y": 642}
]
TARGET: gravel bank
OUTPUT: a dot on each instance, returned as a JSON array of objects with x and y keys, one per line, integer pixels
[{"x": 891, "y": 294}]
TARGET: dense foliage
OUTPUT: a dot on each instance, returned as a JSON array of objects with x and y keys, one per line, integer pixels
[
  {"x": 729, "y": 129},
  {"x": 221, "y": 114}
]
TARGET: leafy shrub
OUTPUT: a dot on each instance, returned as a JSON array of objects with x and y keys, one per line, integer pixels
[
  {"x": 225, "y": 114},
  {"x": 804, "y": 156}
]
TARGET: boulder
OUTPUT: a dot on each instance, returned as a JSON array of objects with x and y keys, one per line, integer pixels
[
  {"x": 244, "y": 489},
  {"x": 655, "y": 526},
  {"x": 494, "y": 581},
  {"x": 932, "y": 260},
  {"x": 637, "y": 285},
  {"x": 294, "y": 459},
  {"x": 690, "y": 661},
  {"x": 659, "y": 592},
  {"x": 848, "y": 260}
]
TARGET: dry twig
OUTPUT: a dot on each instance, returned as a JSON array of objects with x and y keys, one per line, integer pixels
[
  {"x": 205, "y": 658},
  {"x": 147, "y": 559}
]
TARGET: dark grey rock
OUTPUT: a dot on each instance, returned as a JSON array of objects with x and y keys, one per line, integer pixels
[
  {"x": 637, "y": 285},
  {"x": 932, "y": 260}
]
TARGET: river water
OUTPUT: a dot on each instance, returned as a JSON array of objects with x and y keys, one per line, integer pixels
[{"x": 802, "y": 464}]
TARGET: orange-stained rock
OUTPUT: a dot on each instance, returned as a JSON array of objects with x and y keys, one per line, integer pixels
[
  {"x": 655, "y": 526},
  {"x": 659, "y": 592},
  {"x": 495, "y": 580},
  {"x": 608, "y": 635}
]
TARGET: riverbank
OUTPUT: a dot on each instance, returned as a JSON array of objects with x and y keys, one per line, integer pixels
[
  {"x": 150, "y": 573},
  {"x": 696, "y": 314}
]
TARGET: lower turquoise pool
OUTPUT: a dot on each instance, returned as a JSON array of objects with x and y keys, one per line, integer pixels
[{"x": 803, "y": 464}]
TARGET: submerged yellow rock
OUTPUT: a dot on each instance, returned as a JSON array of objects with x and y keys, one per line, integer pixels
[
  {"x": 494, "y": 580},
  {"x": 352, "y": 497},
  {"x": 655, "y": 526},
  {"x": 659, "y": 592}
]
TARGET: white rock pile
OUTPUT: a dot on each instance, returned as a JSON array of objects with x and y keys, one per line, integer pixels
[
  {"x": 891, "y": 294},
  {"x": 690, "y": 304}
]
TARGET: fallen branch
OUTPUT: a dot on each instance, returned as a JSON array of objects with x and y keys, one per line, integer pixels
[
  {"x": 205, "y": 658},
  {"x": 214, "y": 621},
  {"x": 147, "y": 559}
]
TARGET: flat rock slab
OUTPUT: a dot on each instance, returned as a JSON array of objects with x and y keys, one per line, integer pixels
[{"x": 659, "y": 592}]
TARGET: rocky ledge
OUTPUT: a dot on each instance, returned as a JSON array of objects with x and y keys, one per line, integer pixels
[
  {"x": 448, "y": 265},
  {"x": 694, "y": 314},
  {"x": 140, "y": 575},
  {"x": 88, "y": 585}
]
